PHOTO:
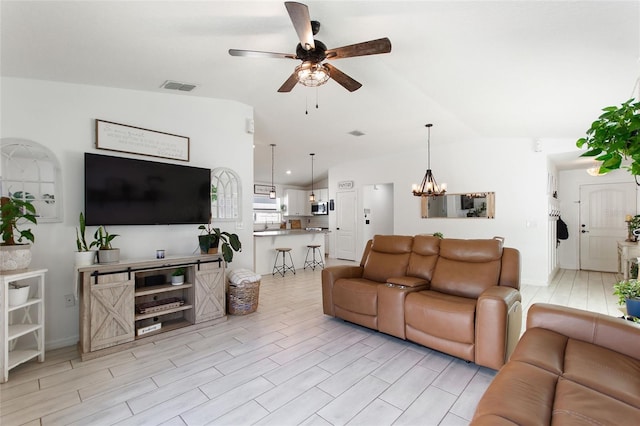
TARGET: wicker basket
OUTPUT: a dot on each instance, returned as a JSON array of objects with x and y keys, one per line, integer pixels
[{"x": 243, "y": 297}]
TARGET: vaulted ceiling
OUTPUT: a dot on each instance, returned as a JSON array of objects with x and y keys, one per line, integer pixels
[{"x": 490, "y": 69}]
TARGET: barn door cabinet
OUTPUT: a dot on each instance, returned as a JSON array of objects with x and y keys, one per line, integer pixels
[{"x": 134, "y": 302}]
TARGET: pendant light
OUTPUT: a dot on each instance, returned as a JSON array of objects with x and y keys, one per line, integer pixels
[
  {"x": 429, "y": 186},
  {"x": 312, "y": 197},
  {"x": 272, "y": 193}
]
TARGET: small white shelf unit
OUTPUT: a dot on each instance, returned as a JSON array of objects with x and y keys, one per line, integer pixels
[{"x": 22, "y": 326}]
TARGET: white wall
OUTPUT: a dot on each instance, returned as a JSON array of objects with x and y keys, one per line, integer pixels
[
  {"x": 62, "y": 117},
  {"x": 509, "y": 167},
  {"x": 569, "y": 195}
]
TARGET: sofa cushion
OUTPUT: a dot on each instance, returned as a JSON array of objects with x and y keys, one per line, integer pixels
[
  {"x": 441, "y": 315},
  {"x": 467, "y": 267},
  {"x": 357, "y": 295},
  {"x": 424, "y": 256},
  {"x": 388, "y": 257}
]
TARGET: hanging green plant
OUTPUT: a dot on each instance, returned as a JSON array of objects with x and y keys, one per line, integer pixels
[{"x": 615, "y": 136}]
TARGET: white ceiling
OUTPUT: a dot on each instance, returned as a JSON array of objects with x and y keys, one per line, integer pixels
[{"x": 490, "y": 69}]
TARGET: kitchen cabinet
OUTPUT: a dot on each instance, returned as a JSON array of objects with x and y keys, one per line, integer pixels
[
  {"x": 22, "y": 325},
  {"x": 322, "y": 195},
  {"x": 297, "y": 202}
]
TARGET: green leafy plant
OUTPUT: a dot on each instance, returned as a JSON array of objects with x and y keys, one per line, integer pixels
[
  {"x": 230, "y": 242},
  {"x": 438, "y": 235},
  {"x": 615, "y": 136},
  {"x": 81, "y": 243},
  {"x": 102, "y": 239},
  {"x": 178, "y": 272},
  {"x": 14, "y": 208},
  {"x": 626, "y": 289}
]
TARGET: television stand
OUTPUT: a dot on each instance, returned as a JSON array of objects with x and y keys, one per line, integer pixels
[{"x": 129, "y": 303}]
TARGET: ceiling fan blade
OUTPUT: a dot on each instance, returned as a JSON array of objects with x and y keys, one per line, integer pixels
[
  {"x": 299, "y": 14},
  {"x": 289, "y": 84},
  {"x": 371, "y": 47},
  {"x": 257, "y": 54},
  {"x": 342, "y": 79}
]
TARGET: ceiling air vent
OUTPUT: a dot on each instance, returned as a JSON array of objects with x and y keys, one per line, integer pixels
[
  {"x": 176, "y": 85},
  {"x": 356, "y": 133}
]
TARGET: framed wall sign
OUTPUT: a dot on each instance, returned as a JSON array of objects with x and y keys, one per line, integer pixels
[
  {"x": 345, "y": 184},
  {"x": 262, "y": 189},
  {"x": 136, "y": 140}
]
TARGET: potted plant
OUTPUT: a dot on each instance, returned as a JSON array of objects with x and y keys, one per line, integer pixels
[
  {"x": 102, "y": 240},
  {"x": 14, "y": 254},
  {"x": 177, "y": 276},
  {"x": 615, "y": 136},
  {"x": 628, "y": 292},
  {"x": 84, "y": 255},
  {"x": 211, "y": 238}
]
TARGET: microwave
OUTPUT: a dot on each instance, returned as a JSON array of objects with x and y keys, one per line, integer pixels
[{"x": 319, "y": 208}]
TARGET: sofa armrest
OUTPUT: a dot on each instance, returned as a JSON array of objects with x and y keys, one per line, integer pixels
[
  {"x": 332, "y": 274},
  {"x": 610, "y": 332},
  {"x": 411, "y": 282},
  {"x": 498, "y": 325}
]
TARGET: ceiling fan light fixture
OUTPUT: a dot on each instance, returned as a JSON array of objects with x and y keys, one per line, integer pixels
[{"x": 312, "y": 74}]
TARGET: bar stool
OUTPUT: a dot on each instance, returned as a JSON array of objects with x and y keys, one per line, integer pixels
[
  {"x": 313, "y": 263},
  {"x": 284, "y": 268}
]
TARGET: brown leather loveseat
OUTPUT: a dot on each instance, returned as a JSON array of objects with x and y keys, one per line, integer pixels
[
  {"x": 460, "y": 297},
  {"x": 570, "y": 367}
]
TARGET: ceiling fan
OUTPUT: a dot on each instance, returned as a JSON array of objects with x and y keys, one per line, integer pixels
[{"x": 313, "y": 71}]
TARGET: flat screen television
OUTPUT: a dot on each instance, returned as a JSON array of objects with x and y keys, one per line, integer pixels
[{"x": 125, "y": 191}]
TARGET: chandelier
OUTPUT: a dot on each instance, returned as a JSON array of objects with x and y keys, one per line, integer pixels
[
  {"x": 312, "y": 197},
  {"x": 272, "y": 193},
  {"x": 312, "y": 74},
  {"x": 429, "y": 186}
]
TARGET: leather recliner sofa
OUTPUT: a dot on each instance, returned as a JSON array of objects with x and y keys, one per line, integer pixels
[
  {"x": 570, "y": 367},
  {"x": 457, "y": 296}
]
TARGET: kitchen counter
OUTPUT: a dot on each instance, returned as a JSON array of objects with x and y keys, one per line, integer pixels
[
  {"x": 274, "y": 232},
  {"x": 266, "y": 242}
]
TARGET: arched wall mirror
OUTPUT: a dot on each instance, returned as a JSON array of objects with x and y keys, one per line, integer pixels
[
  {"x": 477, "y": 205},
  {"x": 33, "y": 172}
]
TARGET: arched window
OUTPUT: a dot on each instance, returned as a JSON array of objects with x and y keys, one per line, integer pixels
[
  {"x": 32, "y": 171},
  {"x": 226, "y": 195}
]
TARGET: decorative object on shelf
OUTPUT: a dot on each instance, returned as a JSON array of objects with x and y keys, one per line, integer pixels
[
  {"x": 18, "y": 294},
  {"x": 628, "y": 292},
  {"x": 13, "y": 253},
  {"x": 106, "y": 253},
  {"x": 211, "y": 237},
  {"x": 615, "y": 136},
  {"x": 84, "y": 256},
  {"x": 177, "y": 277},
  {"x": 136, "y": 140},
  {"x": 429, "y": 187},
  {"x": 312, "y": 197},
  {"x": 633, "y": 223},
  {"x": 272, "y": 192}
]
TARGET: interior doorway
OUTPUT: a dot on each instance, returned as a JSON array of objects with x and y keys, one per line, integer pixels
[
  {"x": 603, "y": 208},
  {"x": 377, "y": 211},
  {"x": 346, "y": 225}
]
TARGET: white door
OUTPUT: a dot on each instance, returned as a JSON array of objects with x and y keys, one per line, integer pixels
[
  {"x": 603, "y": 209},
  {"x": 346, "y": 225}
]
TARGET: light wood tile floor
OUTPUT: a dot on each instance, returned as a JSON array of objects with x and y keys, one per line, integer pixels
[{"x": 286, "y": 364}]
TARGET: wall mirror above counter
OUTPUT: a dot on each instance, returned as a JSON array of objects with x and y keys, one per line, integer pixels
[{"x": 475, "y": 205}]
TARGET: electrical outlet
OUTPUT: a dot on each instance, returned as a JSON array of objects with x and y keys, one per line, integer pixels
[{"x": 69, "y": 300}]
